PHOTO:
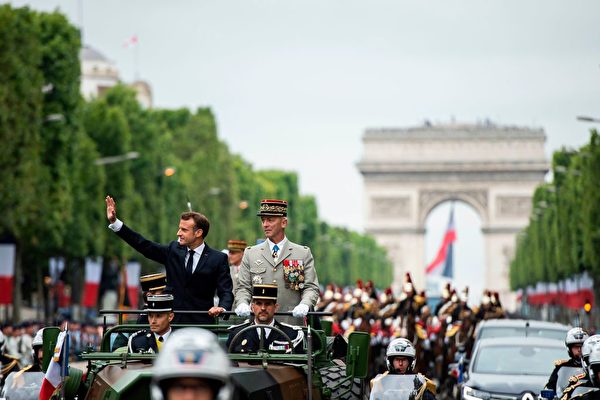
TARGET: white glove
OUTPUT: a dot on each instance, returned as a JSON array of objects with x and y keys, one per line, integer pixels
[
  {"x": 300, "y": 310},
  {"x": 243, "y": 310}
]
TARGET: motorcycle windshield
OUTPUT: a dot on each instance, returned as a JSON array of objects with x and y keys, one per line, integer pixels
[
  {"x": 23, "y": 386},
  {"x": 564, "y": 373},
  {"x": 399, "y": 387}
]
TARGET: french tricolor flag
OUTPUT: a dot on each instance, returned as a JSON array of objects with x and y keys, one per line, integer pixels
[
  {"x": 7, "y": 272},
  {"x": 444, "y": 254},
  {"x": 58, "y": 367},
  {"x": 93, "y": 273}
]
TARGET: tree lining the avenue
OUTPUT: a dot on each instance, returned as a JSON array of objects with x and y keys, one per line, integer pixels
[
  {"x": 562, "y": 239},
  {"x": 54, "y": 186}
]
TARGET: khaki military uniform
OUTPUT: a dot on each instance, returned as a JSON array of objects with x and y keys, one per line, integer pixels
[{"x": 293, "y": 273}]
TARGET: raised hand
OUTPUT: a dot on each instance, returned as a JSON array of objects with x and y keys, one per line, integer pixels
[{"x": 111, "y": 209}]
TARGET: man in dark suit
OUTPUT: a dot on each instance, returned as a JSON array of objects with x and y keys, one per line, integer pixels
[
  {"x": 160, "y": 315},
  {"x": 194, "y": 270},
  {"x": 264, "y": 307}
]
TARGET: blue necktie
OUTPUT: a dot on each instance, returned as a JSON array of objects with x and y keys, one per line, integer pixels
[{"x": 275, "y": 250}]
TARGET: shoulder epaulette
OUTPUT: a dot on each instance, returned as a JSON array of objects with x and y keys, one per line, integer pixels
[
  {"x": 558, "y": 363},
  {"x": 232, "y": 327}
]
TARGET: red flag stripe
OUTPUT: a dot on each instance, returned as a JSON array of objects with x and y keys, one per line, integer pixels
[{"x": 449, "y": 238}]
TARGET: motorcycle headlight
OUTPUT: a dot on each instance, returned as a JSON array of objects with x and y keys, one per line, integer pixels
[{"x": 473, "y": 394}]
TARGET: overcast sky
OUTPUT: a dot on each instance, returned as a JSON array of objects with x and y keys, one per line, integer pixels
[{"x": 294, "y": 84}]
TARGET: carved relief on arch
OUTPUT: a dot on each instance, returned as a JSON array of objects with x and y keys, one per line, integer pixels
[
  {"x": 476, "y": 198},
  {"x": 390, "y": 207}
]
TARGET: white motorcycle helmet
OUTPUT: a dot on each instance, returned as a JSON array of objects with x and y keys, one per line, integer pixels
[
  {"x": 191, "y": 353},
  {"x": 587, "y": 347},
  {"x": 594, "y": 365},
  {"x": 575, "y": 336},
  {"x": 400, "y": 347}
]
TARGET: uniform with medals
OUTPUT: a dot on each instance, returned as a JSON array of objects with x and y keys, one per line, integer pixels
[
  {"x": 146, "y": 341},
  {"x": 249, "y": 341},
  {"x": 290, "y": 267}
]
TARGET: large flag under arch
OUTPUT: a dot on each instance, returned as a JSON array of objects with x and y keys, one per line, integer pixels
[{"x": 444, "y": 254}]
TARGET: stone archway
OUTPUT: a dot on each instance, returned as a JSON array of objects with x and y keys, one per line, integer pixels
[{"x": 407, "y": 172}]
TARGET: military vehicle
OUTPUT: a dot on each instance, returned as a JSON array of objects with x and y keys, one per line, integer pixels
[{"x": 332, "y": 368}]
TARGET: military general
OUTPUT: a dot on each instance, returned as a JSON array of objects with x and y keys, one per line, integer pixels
[{"x": 281, "y": 262}]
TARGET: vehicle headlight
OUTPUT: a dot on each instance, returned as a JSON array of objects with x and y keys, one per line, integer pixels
[{"x": 469, "y": 393}]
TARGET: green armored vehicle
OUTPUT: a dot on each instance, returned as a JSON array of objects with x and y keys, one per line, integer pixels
[{"x": 332, "y": 368}]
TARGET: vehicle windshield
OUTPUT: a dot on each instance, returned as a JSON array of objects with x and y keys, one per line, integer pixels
[
  {"x": 396, "y": 387},
  {"x": 527, "y": 359},
  {"x": 516, "y": 331},
  {"x": 22, "y": 386}
]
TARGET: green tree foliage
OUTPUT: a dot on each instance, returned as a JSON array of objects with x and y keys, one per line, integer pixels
[
  {"x": 54, "y": 185},
  {"x": 21, "y": 104},
  {"x": 563, "y": 235},
  {"x": 590, "y": 208}
]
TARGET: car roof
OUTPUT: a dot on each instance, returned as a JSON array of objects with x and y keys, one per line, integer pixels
[
  {"x": 522, "y": 322},
  {"x": 520, "y": 340}
]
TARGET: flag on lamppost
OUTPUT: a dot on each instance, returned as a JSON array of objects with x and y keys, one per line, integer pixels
[{"x": 444, "y": 255}]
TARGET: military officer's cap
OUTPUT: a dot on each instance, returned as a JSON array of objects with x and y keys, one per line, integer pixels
[
  {"x": 153, "y": 282},
  {"x": 264, "y": 292},
  {"x": 272, "y": 208},
  {"x": 236, "y": 245},
  {"x": 160, "y": 303}
]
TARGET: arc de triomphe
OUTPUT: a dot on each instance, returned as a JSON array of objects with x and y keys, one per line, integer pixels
[{"x": 409, "y": 171}]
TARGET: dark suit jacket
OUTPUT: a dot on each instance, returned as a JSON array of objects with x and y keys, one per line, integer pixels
[
  {"x": 190, "y": 292},
  {"x": 249, "y": 342}
]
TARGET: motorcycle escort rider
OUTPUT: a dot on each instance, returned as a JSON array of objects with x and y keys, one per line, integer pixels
[
  {"x": 191, "y": 365},
  {"x": 574, "y": 340},
  {"x": 400, "y": 360},
  {"x": 582, "y": 379},
  {"x": 588, "y": 387}
]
